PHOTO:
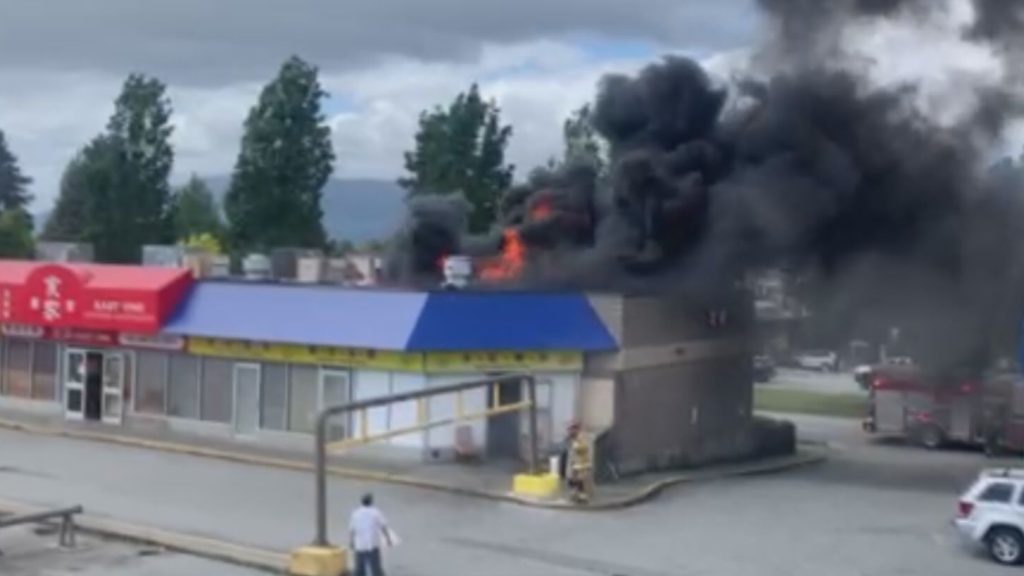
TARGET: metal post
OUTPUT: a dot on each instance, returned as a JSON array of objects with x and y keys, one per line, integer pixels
[
  {"x": 534, "y": 452},
  {"x": 321, "y": 479},
  {"x": 320, "y": 449}
]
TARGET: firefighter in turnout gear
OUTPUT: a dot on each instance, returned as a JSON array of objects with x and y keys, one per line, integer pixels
[{"x": 580, "y": 466}]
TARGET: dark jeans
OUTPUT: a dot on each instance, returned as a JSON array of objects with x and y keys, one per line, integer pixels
[{"x": 369, "y": 561}]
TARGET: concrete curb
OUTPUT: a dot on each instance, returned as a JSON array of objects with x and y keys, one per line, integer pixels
[
  {"x": 228, "y": 552},
  {"x": 807, "y": 455}
]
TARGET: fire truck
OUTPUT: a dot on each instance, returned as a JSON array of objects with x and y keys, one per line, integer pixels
[{"x": 934, "y": 410}]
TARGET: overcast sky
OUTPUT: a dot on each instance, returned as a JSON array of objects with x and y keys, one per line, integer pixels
[{"x": 383, "y": 61}]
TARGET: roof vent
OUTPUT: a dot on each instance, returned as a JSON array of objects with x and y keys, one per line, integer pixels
[
  {"x": 256, "y": 267},
  {"x": 458, "y": 271}
]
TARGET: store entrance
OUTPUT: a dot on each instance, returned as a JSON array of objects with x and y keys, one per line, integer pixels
[{"x": 93, "y": 385}]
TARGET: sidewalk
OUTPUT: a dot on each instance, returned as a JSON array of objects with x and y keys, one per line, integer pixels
[{"x": 387, "y": 465}]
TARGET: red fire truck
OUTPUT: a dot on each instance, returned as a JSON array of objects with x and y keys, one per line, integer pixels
[{"x": 927, "y": 408}]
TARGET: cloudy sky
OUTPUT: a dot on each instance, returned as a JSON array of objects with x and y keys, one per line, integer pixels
[{"x": 383, "y": 61}]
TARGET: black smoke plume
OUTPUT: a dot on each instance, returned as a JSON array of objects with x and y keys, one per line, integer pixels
[{"x": 890, "y": 218}]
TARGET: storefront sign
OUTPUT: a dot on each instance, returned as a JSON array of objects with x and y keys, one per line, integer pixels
[
  {"x": 503, "y": 361},
  {"x": 435, "y": 362},
  {"x": 93, "y": 298},
  {"x": 22, "y": 331},
  {"x": 328, "y": 355},
  {"x": 152, "y": 341},
  {"x": 82, "y": 337}
]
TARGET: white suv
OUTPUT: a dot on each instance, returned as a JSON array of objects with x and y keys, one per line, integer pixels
[
  {"x": 991, "y": 514},
  {"x": 820, "y": 360}
]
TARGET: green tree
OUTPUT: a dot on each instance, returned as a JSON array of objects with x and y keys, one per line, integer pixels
[
  {"x": 194, "y": 211},
  {"x": 461, "y": 149},
  {"x": 285, "y": 161},
  {"x": 582, "y": 144},
  {"x": 15, "y": 221},
  {"x": 16, "y": 235},
  {"x": 115, "y": 193},
  {"x": 14, "y": 184},
  {"x": 85, "y": 209}
]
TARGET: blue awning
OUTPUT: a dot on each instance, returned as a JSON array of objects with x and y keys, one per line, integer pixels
[
  {"x": 291, "y": 314},
  {"x": 509, "y": 321},
  {"x": 385, "y": 320}
]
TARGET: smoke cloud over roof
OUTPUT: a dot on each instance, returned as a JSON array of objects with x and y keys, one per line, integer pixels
[{"x": 893, "y": 217}]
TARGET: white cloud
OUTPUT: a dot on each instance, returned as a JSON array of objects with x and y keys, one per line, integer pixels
[
  {"x": 932, "y": 54},
  {"x": 49, "y": 116},
  {"x": 536, "y": 85}
]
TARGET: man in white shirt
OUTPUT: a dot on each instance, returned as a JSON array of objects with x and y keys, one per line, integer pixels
[{"x": 366, "y": 527}]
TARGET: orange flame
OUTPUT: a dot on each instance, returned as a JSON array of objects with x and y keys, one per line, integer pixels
[
  {"x": 541, "y": 210},
  {"x": 510, "y": 263}
]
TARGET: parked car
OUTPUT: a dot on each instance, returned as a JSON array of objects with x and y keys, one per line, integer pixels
[
  {"x": 863, "y": 374},
  {"x": 990, "y": 515},
  {"x": 820, "y": 360},
  {"x": 764, "y": 368}
]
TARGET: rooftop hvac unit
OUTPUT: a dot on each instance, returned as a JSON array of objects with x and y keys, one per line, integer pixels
[
  {"x": 64, "y": 252},
  {"x": 256, "y": 267},
  {"x": 284, "y": 262},
  {"x": 220, "y": 266},
  {"x": 310, "y": 270},
  {"x": 458, "y": 271},
  {"x": 166, "y": 256}
]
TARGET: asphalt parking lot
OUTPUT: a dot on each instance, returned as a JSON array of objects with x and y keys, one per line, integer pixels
[
  {"x": 33, "y": 551},
  {"x": 873, "y": 508}
]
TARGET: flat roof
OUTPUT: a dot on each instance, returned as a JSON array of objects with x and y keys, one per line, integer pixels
[{"x": 391, "y": 319}]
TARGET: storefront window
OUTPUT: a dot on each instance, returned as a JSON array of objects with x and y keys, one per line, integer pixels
[
  {"x": 19, "y": 367},
  {"x": 274, "y": 397},
  {"x": 183, "y": 387},
  {"x": 302, "y": 400},
  {"x": 217, "y": 391},
  {"x": 152, "y": 382},
  {"x": 44, "y": 371}
]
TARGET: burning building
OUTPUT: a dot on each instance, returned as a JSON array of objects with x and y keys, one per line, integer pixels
[{"x": 619, "y": 289}]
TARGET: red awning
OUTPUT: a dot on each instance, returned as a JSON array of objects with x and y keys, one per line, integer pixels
[{"x": 92, "y": 296}]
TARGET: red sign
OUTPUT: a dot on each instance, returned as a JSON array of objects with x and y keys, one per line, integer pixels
[
  {"x": 22, "y": 331},
  {"x": 83, "y": 337},
  {"x": 100, "y": 298}
]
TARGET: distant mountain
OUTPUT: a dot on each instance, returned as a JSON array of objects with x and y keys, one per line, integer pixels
[{"x": 356, "y": 209}]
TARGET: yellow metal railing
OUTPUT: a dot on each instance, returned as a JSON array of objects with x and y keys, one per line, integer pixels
[{"x": 423, "y": 422}]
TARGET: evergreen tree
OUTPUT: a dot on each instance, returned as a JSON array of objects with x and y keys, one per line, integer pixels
[
  {"x": 115, "y": 193},
  {"x": 461, "y": 150},
  {"x": 15, "y": 221},
  {"x": 14, "y": 184},
  {"x": 285, "y": 161},
  {"x": 194, "y": 211},
  {"x": 582, "y": 144}
]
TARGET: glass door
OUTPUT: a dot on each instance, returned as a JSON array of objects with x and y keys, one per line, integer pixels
[
  {"x": 74, "y": 384},
  {"x": 334, "y": 391},
  {"x": 247, "y": 398},
  {"x": 113, "y": 388}
]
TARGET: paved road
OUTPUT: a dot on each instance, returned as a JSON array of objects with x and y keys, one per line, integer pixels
[
  {"x": 873, "y": 509},
  {"x": 29, "y": 554}
]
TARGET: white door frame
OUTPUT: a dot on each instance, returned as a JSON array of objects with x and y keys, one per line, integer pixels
[
  {"x": 112, "y": 388},
  {"x": 235, "y": 395},
  {"x": 70, "y": 384},
  {"x": 346, "y": 419}
]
